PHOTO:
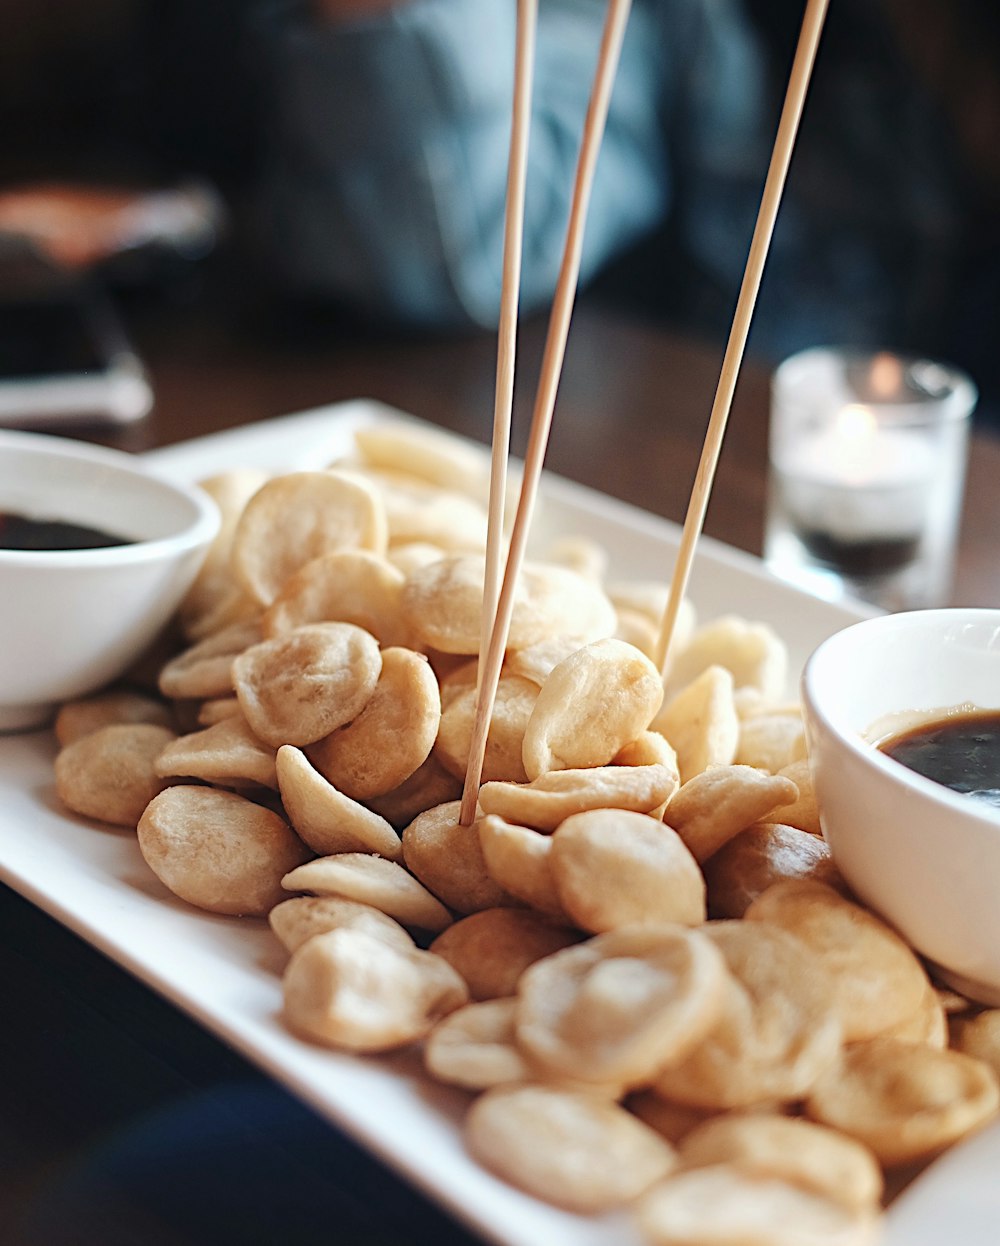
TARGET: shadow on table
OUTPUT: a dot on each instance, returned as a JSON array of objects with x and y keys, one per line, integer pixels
[{"x": 123, "y": 1123}]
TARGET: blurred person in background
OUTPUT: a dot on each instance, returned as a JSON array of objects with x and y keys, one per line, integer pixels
[{"x": 362, "y": 148}]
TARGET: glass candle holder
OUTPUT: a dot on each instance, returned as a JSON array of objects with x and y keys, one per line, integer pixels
[{"x": 867, "y": 468}]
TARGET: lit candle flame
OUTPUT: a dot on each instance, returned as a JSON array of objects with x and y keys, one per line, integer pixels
[
  {"x": 854, "y": 430},
  {"x": 886, "y": 375}
]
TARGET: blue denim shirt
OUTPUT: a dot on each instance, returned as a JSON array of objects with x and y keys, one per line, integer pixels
[
  {"x": 386, "y": 180},
  {"x": 388, "y": 185}
]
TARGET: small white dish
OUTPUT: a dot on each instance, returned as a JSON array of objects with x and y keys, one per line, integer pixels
[
  {"x": 927, "y": 858},
  {"x": 71, "y": 620}
]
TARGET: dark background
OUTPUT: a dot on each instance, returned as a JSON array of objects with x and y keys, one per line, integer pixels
[{"x": 904, "y": 111}]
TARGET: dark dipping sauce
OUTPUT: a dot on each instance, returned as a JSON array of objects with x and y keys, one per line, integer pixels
[
  {"x": 859, "y": 558},
  {"x": 25, "y": 533},
  {"x": 960, "y": 752}
]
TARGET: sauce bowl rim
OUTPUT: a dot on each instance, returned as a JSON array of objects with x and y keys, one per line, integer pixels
[
  {"x": 199, "y": 529},
  {"x": 866, "y": 751}
]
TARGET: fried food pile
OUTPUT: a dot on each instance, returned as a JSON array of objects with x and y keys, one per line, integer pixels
[{"x": 640, "y": 959}]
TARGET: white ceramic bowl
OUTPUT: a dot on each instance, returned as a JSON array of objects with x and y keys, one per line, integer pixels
[
  {"x": 71, "y": 620},
  {"x": 924, "y": 856}
]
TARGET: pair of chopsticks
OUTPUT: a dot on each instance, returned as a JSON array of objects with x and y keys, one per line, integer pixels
[{"x": 501, "y": 575}]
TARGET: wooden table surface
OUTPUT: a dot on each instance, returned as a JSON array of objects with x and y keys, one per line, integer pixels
[
  {"x": 633, "y": 405},
  {"x": 120, "y": 1120}
]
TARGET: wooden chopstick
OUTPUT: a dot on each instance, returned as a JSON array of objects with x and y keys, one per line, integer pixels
[
  {"x": 791, "y": 114},
  {"x": 545, "y": 397},
  {"x": 524, "y": 58}
]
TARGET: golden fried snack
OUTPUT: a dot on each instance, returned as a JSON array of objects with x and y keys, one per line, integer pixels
[
  {"x": 217, "y": 710},
  {"x": 515, "y": 699},
  {"x": 726, "y": 1206},
  {"x": 491, "y": 949},
  {"x": 550, "y": 799},
  {"x": 700, "y": 722},
  {"x": 979, "y": 1036},
  {"x": 592, "y": 704},
  {"x": 676, "y": 1120},
  {"x": 613, "y": 868},
  {"x": 952, "y": 1002},
  {"x": 649, "y": 598},
  {"x": 757, "y": 858},
  {"x": 637, "y": 630},
  {"x": 713, "y": 806},
  {"x": 235, "y": 607},
  {"x": 905, "y": 1101},
  {"x": 569, "y": 1148},
  {"x": 357, "y": 991},
  {"x": 461, "y": 675},
  {"x": 474, "y": 1047},
  {"x": 143, "y": 673},
  {"x": 791, "y": 1149},
  {"x": 218, "y": 851},
  {"x": 771, "y": 741},
  {"x": 447, "y": 664},
  {"x": 347, "y": 586},
  {"x": 227, "y": 753},
  {"x": 105, "y": 709},
  {"x": 297, "y": 688},
  {"x": 412, "y": 554},
  {"x": 517, "y": 859},
  {"x": 673, "y": 1121},
  {"x": 206, "y": 669},
  {"x": 429, "y": 785},
  {"x": 371, "y": 880},
  {"x": 214, "y": 587},
  {"x": 875, "y": 980},
  {"x": 649, "y": 748},
  {"x": 324, "y": 817},
  {"x": 579, "y": 554},
  {"x": 297, "y": 517},
  {"x": 776, "y": 1035},
  {"x": 442, "y": 604},
  {"x": 537, "y": 662},
  {"x": 417, "y": 513},
  {"x": 392, "y": 736},
  {"x": 620, "y": 1006},
  {"x": 110, "y": 774},
  {"x": 296, "y": 920},
  {"x": 231, "y": 489},
  {"x": 750, "y": 702},
  {"x": 448, "y": 860},
  {"x": 754, "y": 653},
  {"x": 803, "y": 812},
  {"x": 428, "y": 454},
  {"x": 926, "y": 1024}
]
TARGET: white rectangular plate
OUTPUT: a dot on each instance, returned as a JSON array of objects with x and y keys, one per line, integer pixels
[{"x": 226, "y": 973}]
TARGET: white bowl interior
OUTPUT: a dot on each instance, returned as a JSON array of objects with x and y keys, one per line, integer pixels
[
  {"x": 71, "y": 484},
  {"x": 914, "y": 663}
]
